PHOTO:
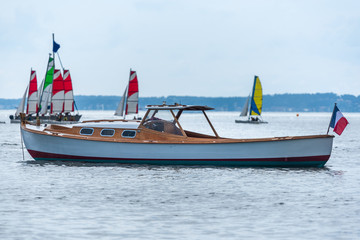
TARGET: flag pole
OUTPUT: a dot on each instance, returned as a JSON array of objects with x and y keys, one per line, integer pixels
[
  {"x": 53, "y": 35},
  {"x": 331, "y": 119}
]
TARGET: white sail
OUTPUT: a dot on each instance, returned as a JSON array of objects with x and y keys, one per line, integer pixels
[
  {"x": 120, "y": 109},
  {"x": 58, "y": 93},
  {"x": 245, "y": 108},
  {"x": 133, "y": 94},
  {"x": 69, "y": 94},
  {"x": 130, "y": 100},
  {"x": 41, "y": 91},
  {"x": 21, "y": 106},
  {"x": 45, "y": 100},
  {"x": 69, "y": 102},
  {"x": 132, "y": 103},
  {"x": 32, "y": 101}
]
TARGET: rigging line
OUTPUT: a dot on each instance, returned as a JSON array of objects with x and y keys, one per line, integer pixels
[
  {"x": 76, "y": 106},
  {"x": 60, "y": 60},
  {"x": 22, "y": 145}
]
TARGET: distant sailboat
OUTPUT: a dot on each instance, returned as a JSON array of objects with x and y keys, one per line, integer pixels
[
  {"x": 254, "y": 115},
  {"x": 32, "y": 90},
  {"x": 32, "y": 101},
  {"x": 54, "y": 100},
  {"x": 129, "y": 103},
  {"x": 21, "y": 106}
]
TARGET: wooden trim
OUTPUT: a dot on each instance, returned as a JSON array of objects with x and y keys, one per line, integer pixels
[
  {"x": 182, "y": 130},
  {"x": 179, "y": 114},
  {"x": 146, "y": 136},
  {"x": 144, "y": 118},
  {"x": 198, "y": 135},
  {"x": 212, "y": 127},
  {"x": 110, "y": 120}
]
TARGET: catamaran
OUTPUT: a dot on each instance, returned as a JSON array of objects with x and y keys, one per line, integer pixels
[
  {"x": 160, "y": 139},
  {"x": 254, "y": 115},
  {"x": 55, "y": 101},
  {"x": 129, "y": 103},
  {"x": 32, "y": 100}
]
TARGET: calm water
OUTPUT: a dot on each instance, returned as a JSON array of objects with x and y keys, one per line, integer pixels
[{"x": 87, "y": 201}]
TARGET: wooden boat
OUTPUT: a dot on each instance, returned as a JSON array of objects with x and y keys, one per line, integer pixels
[
  {"x": 54, "y": 102},
  {"x": 162, "y": 141},
  {"x": 254, "y": 115}
]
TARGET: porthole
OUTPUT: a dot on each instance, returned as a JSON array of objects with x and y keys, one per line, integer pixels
[
  {"x": 107, "y": 132},
  {"x": 87, "y": 131},
  {"x": 128, "y": 133}
]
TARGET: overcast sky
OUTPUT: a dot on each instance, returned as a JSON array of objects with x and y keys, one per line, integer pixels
[{"x": 180, "y": 47}]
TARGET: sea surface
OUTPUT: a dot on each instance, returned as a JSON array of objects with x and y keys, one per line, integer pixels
[{"x": 42, "y": 200}]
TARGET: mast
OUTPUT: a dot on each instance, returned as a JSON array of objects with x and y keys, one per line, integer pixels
[
  {"x": 56, "y": 47},
  {"x": 127, "y": 95},
  {"x": 40, "y": 92},
  {"x": 252, "y": 98},
  {"x": 53, "y": 48},
  {"x": 45, "y": 86}
]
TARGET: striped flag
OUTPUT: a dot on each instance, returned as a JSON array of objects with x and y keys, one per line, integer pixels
[{"x": 338, "y": 121}]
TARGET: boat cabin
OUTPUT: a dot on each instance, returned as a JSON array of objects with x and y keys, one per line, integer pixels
[
  {"x": 161, "y": 123},
  {"x": 165, "y": 118}
]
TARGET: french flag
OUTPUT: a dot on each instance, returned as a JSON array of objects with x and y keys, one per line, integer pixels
[{"x": 338, "y": 121}]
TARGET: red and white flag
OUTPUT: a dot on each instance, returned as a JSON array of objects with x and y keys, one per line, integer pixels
[{"x": 338, "y": 121}]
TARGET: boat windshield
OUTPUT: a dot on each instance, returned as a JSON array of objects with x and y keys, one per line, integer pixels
[{"x": 162, "y": 121}]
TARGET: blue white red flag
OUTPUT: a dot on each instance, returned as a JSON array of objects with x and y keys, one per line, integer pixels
[{"x": 338, "y": 121}]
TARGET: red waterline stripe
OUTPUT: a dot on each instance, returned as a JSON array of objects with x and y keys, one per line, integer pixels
[{"x": 42, "y": 155}]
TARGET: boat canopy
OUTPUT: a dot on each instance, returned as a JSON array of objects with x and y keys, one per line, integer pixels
[
  {"x": 165, "y": 118},
  {"x": 179, "y": 107}
]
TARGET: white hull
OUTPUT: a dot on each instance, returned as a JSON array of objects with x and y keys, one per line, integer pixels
[
  {"x": 48, "y": 119},
  {"x": 310, "y": 151},
  {"x": 249, "y": 121}
]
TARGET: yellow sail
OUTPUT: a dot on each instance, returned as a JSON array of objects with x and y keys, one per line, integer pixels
[{"x": 256, "y": 99}]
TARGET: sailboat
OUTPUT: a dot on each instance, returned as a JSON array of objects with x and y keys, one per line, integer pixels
[
  {"x": 129, "y": 103},
  {"x": 255, "y": 102},
  {"x": 55, "y": 101},
  {"x": 32, "y": 100}
]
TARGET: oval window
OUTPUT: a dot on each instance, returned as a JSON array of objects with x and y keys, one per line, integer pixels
[
  {"x": 128, "y": 133},
  {"x": 107, "y": 132},
  {"x": 86, "y": 131}
]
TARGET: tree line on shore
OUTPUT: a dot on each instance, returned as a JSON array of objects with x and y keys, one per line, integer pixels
[{"x": 318, "y": 102}]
